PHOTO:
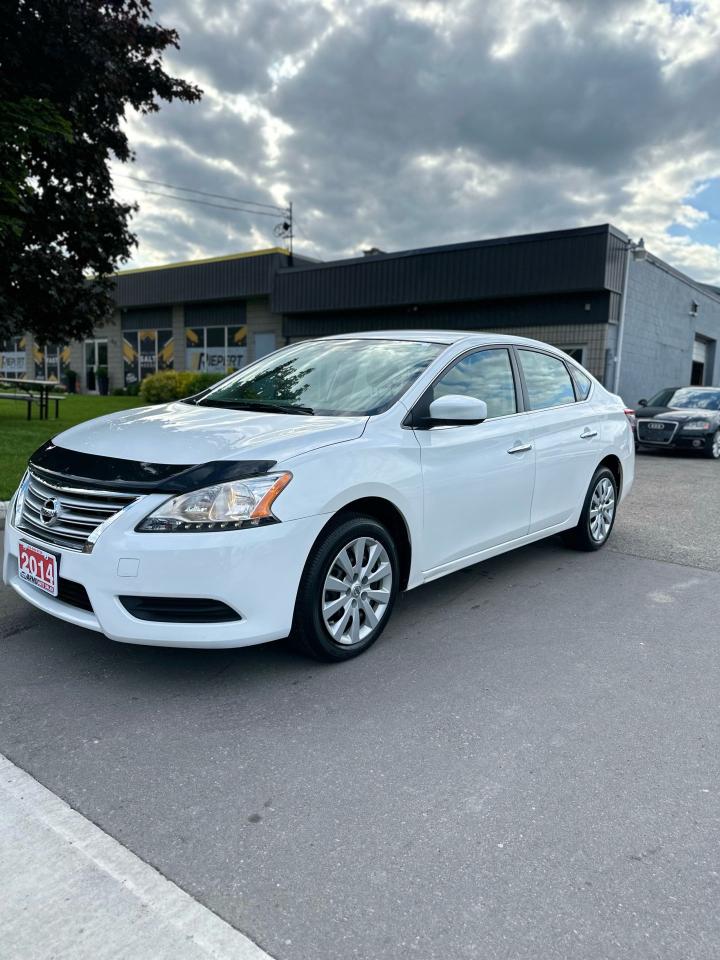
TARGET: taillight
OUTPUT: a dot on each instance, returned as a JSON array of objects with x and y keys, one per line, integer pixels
[{"x": 630, "y": 414}]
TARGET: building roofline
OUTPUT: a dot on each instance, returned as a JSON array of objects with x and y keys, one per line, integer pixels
[
  {"x": 707, "y": 290},
  {"x": 466, "y": 245},
  {"x": 193, "y": 263}
]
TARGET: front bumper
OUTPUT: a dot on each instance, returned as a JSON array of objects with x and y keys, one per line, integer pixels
[
  {"x": 256, "y": 572},
  {"x": 681, "y": 441}
]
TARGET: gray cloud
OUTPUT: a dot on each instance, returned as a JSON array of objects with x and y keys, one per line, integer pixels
[
  {"x": 407, "y": 124},
  {"x": 236, "y": 44}
]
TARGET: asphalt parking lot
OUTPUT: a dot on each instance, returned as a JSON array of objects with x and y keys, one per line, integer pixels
[{"x": 527, "y": 765}]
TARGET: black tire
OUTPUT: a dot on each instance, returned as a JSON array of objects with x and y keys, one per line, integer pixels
[
  {"x": 712, "y": 449},
  {"x": 310, "y": 634},
  {"x": 582, "y": 537}
]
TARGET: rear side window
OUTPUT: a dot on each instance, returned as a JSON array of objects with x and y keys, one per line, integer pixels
[
  {"x": 547, "y": 379},
  {"x": 582, "y": 383},
  {"x": 486, "y": 375}
]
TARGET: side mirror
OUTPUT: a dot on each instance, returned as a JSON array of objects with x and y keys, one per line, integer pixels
[
  {"x": 454, "y": 410},
  {"x": 642, "y": 403}
]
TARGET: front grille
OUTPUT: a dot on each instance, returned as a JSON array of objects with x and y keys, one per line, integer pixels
[
  {"x": 79, "y": 510},
  {"x": 179, "y": 609},
  {"x": 656, "y": 431},
  {"x": 73, "y": 594}
]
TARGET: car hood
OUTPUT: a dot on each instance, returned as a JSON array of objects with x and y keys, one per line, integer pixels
[
  {"x": 182, "y": 433},
  {"x": 678, "y": 415}
]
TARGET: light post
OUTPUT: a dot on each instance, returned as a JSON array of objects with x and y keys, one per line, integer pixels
[{"x": 638, "y": 252}]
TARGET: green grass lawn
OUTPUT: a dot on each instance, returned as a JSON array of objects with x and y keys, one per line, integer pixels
[{"x": 19, "y": 437}]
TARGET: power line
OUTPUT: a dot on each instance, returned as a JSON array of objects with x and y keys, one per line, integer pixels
[
  {"x": 202, "y": 193},
  {"x": 299, "y": 226},
  {"x": 219, "y": 206}
]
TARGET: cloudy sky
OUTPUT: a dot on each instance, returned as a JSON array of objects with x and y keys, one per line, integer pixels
[{"x": 405, "y": 123}]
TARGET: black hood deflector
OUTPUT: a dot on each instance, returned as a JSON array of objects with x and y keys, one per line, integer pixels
[{"x": 137, "y": 476}]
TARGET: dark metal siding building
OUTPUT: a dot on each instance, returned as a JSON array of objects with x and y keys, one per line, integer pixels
[
  {"x": 237, "y": 275},
  {"x": 570, "y": 261}
]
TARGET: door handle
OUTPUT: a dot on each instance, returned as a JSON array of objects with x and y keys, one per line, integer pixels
[
  {"x": 520, "y": 448},
  {"x": 588, "y": 434}
]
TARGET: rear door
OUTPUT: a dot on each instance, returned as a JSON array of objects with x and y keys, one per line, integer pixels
[
  {"x": 566, "y": 435},
  {"x": 477, "y": 478}
]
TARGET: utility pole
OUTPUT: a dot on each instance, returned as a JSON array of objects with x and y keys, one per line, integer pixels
[
  {"x": 290, "y": 234},
  {"x": 285, "y": 230}
]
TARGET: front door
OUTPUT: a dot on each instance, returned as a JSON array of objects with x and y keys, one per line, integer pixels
[
  {"x": 477, "y": 478},
  {"x": 95, "y": 359}
]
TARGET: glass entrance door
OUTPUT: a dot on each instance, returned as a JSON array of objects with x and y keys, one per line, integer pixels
[{"x": 95, "y": 359}]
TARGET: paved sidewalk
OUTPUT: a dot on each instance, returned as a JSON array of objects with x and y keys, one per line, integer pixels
[{"x": 70, "y": 891}]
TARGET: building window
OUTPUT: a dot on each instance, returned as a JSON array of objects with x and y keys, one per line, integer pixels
[
  {"x": 51, "y": 361},
  {"x": 215, "y": 349},
  {"x": 12, "y": 357},
  {"x": 146, "y": 352},
  {"x": 577, "y": 353}
]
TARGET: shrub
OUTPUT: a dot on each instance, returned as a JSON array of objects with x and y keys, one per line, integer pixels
[
  {"x": 159, "y": 387},
  {"x": 172, "y": 385},
  {"x": 184, "y": 384},
  {"x": 201, "y": 381}
]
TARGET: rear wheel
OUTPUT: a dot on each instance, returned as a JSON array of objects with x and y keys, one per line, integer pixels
[
  {"x": 712, "y": 450},
  {"x": 347, "y": 591},
  {"x": 598, "y": 513}
]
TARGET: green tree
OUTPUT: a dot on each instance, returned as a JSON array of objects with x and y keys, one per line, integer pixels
[{"x": 69, "y": 72}]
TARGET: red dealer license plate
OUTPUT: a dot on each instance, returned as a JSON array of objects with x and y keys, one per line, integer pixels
[{"x": 38, "y": 568}]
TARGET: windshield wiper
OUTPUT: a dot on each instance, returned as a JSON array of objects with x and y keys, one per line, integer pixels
[{"x": 260, "y": 405}]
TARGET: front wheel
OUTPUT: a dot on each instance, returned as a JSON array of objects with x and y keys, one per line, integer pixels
[
  {"x": 713, "y": 448},
  {"x": 347, "y": 591},
  {"x": 598, "y": 513}
]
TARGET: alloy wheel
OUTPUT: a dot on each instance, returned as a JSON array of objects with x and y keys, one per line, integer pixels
[
  {"x": 357, "y": 590},
  {"x": 716, "y": 445},
  {"x": 602, "y": 510}
]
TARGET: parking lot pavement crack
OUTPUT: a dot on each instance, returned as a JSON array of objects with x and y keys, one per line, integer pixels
[
  {"x": 52, "y": 856},
  {"x": 675, "y": 563}
]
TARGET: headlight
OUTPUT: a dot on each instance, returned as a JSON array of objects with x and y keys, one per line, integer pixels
[
  {"x": 697, "y": 425},
  {"x": 18, "y": 501},
  {"x": 225, "y": 506}
]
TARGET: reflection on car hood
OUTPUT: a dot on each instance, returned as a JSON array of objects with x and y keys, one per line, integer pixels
[{"x": 184, "y": 433}]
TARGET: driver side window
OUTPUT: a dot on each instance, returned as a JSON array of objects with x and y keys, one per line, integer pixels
[{"x": 486, "y": 375}]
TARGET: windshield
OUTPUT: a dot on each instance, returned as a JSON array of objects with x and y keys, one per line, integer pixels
[
  {"x": 687, "y": 397},
  {"x": 327, "y": 377}
]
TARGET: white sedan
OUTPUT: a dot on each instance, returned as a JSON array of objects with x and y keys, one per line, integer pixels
[{"x": 298, "y": 496}]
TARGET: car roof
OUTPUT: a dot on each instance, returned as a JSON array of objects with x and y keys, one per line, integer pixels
[{"x": 443, "y": 337}]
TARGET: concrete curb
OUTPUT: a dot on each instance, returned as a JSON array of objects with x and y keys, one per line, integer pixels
[{"x": 71, "y": 891}]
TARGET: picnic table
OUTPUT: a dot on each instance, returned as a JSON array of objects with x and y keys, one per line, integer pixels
[{"x": 37, "y": 390}]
